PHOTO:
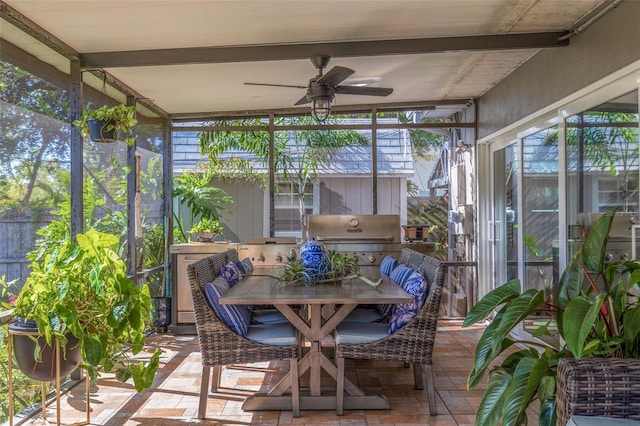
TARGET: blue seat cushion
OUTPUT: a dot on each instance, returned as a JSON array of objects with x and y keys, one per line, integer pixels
[
  {"x": 387, "y": 265},
  {"x": 351, "y": 332},
  {"x": 402, "y": 313},
  {"x": 364, "y": 315},
  {"x": 277, "y": 334},
  {"x": 236, "y": 317},
  {"x": 230, "y": 272},
  {"x": 267, "y": 316}
]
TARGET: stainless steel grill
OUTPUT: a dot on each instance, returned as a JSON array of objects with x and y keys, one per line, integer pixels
[
  {"x": 370, "y": 237},
  {"x": 621, "y": 244}
]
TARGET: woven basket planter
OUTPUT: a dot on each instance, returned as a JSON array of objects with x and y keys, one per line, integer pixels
[{"x": 608, "y": 387}]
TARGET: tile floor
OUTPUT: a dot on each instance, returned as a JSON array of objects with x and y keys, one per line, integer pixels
[{"x": 173, "y": 399}]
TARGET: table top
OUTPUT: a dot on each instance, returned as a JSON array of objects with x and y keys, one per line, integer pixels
[{"x": 266, "y": 290}]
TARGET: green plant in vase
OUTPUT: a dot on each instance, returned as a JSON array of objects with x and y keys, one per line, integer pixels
[
  {"x": 206, "y": 229},
  {"x": 342, "y": 266},
  {"x": 108, "y": 124},
  {"x": 81, "y": 291}
]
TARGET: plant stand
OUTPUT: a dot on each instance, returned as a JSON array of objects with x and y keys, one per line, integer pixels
[{"x": 42, "y": 384}]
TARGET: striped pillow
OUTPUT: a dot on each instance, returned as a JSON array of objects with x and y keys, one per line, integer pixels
[
  {"x": 400, "y": 274},
  {"x": 236, "y": 317},
  {"x": 387, "y": 265}
]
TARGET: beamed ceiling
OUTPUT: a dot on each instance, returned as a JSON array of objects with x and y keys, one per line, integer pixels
[{"x": 190, "y": 58}]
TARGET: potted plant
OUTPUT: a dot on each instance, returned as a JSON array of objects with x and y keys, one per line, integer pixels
[
  {"x": 195, "y": 190},
  {"x": 80, "y": 293},
  {"x": 108, "y": 124},
  {"x": 596, "y": 314},
  {"x": 206, "y": 229},
  {"x": 340, "y": 266}
]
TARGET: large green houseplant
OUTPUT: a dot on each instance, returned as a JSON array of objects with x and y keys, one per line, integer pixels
[
  {"x": 596, "y": 313},
  {"x": 108, "y": 123},
  {"x": 82, "y": 290}
]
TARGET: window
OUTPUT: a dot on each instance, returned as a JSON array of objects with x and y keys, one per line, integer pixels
[{"x": 286, "y": 207}]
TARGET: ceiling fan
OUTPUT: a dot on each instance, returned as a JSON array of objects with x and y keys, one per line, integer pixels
[{"x": 323, "y": 87}]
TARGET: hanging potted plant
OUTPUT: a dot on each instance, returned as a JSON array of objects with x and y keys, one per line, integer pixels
[
  {"x": 108, "y": 123},
  {"x": 79, "y": 295}
]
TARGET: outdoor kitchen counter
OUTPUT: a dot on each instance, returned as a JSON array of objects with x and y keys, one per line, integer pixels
[{"x": 260, "y": 290}]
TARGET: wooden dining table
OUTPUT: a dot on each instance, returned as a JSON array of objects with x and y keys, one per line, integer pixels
[{"x": 324, "y": 307}]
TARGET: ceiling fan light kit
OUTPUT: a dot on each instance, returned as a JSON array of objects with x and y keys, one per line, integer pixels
[
  {"x": 322, "y": 88},
  {"x": 321, "y": 109}
]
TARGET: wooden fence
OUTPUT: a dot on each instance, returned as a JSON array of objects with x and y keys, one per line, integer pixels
[{"x": 17, "y": 238}]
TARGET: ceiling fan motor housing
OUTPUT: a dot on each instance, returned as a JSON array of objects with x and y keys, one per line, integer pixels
[{"x": 317, "y": 90}]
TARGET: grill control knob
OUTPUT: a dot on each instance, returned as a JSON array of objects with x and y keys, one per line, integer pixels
[
  {"x": 624, "y": 256},
  {"x": 372, "y": 259},
  {"x": 608, "y": 257},
  {"x": 260, "y": 258},
  {"x": 278, "y": 258}
]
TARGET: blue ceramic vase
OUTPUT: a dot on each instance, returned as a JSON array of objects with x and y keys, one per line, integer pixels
[{"x": 315, "y": 260}]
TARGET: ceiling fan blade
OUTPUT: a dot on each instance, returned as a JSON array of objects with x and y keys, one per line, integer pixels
[
  {"x": 335, "y": 76},
  {"x": 303, "y": 100},
  {"x": 363, "y": 90},
  {"x": 276, "y": 85}
]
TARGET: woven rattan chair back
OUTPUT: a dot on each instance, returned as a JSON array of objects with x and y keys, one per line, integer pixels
[
  {"x": 413, "y": 343},
  {"x": 607, "y": 387},
  {"x": 219, "y": 345}
]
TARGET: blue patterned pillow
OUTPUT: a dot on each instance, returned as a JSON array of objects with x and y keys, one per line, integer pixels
[
  {"x": 400, "y": 274},
  {"x": 402, "y": 313},
  {"x": 230, "y": 273},
  {"x": 245, "y": 266},
  {"x": 387, "y": 265},
  {"x": 236, "y": 317}
]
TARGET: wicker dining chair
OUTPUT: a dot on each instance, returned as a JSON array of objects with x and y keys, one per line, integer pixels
[
  {"x": 413, "y": 343},
  {"x": 221, "y": 346}
]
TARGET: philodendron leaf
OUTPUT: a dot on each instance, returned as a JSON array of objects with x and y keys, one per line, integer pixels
[
  {"x": 579, "y": 318},
  {"x": 593, "y": 250},
  {"x": 522, "y": 389},
  {"x": 493, "y": 398},
  {"x": 517, "y": 310},
  {"x": 485, "y": 353},
  {"x": 491, "y": 301},
  {"x": 93, "y": 350},
  {"x": 570, "y": 284},
  {"x": 547, "y": 416},
  {"x": 631, "y": 326}
]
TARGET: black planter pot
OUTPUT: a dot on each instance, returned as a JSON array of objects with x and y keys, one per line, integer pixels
[
  {"x": 23, "y": 335},
  {"x": 161, "y": 312},
  {"x": 98, "y": 131}
]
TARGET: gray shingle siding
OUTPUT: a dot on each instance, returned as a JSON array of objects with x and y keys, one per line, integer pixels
[{"x": 394, "y": 155}]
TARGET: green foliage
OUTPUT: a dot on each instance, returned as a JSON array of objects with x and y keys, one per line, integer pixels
[
  {"x": 82, "y": 288},
  {"x": 194, "y": 189},
  {"x": 207, "y": 225},
  {"x": 433, "y": 213},
  {"x": 342, "y": 266},
  {"x": 597, "y": 314},
  {"x": 297, "y": 155},
  {"x": 119, "y": 118}
]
